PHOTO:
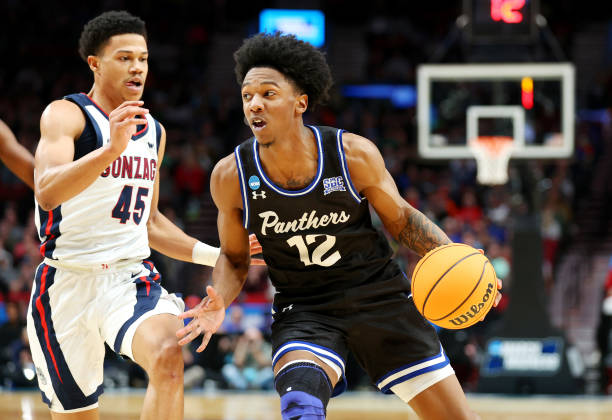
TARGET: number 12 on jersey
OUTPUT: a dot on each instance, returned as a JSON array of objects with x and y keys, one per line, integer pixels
[
  {"x": 122, "y": 208},
  {"x": 317, "y": 254}
]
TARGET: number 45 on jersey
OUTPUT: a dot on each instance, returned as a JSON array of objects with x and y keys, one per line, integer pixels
[{"x": 122, "y": 208}]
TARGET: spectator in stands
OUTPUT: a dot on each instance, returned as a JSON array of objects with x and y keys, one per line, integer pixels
[
  {"x": 604, "y": 334},
  {"x": 11, "y": 329},
  {"x": 250, "y": 365},
  {"x": 11, "y": 346},
  {"x": 18, "y": 370},
  {"x": 453, "y": 228},
  {"x": 234, "y": 323},
  {"x": 7, "y": 271},
  {"x": 190, "y": 178},
  {"x": 469, "y": 210},
  {"x": 257, "y": 288}
]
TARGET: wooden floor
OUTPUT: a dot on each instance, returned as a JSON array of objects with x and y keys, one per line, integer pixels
[{"x": 350, "y": 406}]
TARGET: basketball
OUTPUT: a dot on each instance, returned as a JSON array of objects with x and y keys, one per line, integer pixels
[{"x": 454, "y": 286}]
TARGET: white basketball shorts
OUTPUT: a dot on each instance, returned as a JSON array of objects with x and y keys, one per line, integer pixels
[{"x": 74, "y": 311}]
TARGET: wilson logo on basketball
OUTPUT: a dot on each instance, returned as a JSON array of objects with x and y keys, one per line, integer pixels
[
  {"x": 454, "y": 286},
  {"x": 474, "y": 309}
]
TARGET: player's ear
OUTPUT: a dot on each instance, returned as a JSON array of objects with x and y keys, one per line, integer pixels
[
  {"x": 301, "y": 103},
  {"x": 93, "y": 62}
]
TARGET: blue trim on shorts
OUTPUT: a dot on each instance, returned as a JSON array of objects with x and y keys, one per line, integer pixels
[
  {"x": 340, "y": 386},
  {"x": 387, "y": 388},
  {"x": 394, "y": 371},
  {"x": 304, "y": 347},
  {"x": 65, "y": 387},
  {"x": 148, "y": 292}
]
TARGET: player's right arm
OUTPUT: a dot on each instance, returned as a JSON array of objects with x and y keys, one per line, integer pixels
[
  {"x": 232, "y": 266},
  {"x": 16, "y": 157},
  {"x": 58, "y": 177},
  {"x": 231, "y": 269}
]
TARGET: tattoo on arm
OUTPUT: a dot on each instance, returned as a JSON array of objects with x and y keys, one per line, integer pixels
[{"x": 421, "y": 234}]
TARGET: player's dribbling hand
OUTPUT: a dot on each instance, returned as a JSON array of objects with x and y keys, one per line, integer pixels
[
  {"x": 123, "y": 121},
  {"x": 499, "y": 285},
  {"x": 207, "y": 318}
]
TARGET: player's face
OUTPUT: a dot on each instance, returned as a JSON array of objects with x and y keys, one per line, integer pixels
[
  {"x": 271, "y": 104},
  {"x": 123, "y": 66}
]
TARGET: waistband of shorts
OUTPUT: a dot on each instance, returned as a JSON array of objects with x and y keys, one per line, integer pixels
[{"x": 93, "y": 268}]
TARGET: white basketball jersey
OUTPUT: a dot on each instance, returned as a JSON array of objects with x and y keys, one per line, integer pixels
[{"x": 106, "y": 222}]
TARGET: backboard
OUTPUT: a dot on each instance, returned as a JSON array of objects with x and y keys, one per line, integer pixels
[{"x": 532, "y": 103}]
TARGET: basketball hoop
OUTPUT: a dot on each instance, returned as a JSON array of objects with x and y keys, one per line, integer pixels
[{"x": 492, "y": 154}]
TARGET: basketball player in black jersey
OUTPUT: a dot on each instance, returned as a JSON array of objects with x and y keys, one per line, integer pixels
[{"x": 305, "y": 191}]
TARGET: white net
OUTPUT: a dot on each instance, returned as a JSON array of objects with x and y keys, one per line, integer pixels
[{"x": 492, "y": 154}]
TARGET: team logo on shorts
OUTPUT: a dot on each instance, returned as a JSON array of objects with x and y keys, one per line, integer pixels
[
  {"x": 254, "y": 182},
  {"x": 333, "y": 184},
  {"x": 41, "y": 376}
]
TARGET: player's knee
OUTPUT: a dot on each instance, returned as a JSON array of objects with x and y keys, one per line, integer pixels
[
  {"x": 305, "y": 390},
  {"x": 167, "y": 361}
]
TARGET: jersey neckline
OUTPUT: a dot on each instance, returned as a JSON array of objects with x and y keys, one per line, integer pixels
[
  {"x": 281, "y": 190},
  {"x": 136, "y": 135}
]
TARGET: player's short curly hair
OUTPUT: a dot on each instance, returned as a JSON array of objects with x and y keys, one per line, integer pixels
[
  {"x": 100, "y": 29},
  {"x": 299, "y": 61}
]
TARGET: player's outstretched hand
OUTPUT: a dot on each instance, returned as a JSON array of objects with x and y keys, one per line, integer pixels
[
  {"x": 499, "y": 286},
  {"x": 207, "y": 318},
  {"x": 123, "y": 121},
  {"x": 255, "y": 249}
]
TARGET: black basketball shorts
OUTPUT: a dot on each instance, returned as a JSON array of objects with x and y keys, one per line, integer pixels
[{"x": 391, "y": 341}]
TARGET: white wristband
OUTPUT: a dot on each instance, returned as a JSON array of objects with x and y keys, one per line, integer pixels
[{"x": 205, "y": 254}]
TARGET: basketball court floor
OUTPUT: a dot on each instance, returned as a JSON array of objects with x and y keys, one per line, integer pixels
[{"x": 351, "y": 406}]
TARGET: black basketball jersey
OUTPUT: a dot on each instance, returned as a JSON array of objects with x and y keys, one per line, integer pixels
[{"x": 318, "y": 242}]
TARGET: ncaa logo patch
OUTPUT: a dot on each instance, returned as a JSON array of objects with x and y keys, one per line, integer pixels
[
  {"x": 254, "y": 182},
  {"x": 333, "y": 184}
]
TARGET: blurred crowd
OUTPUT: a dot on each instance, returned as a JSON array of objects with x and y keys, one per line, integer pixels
[{"x": 204, "y": 123}]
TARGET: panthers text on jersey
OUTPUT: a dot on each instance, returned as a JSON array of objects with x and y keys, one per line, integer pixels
[{"x": 318, "y": 242}]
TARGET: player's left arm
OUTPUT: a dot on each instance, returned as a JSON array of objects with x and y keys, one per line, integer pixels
[
  {"x": 369, "y": 175},
  {"x": 170, "y": 240},
  {"x": 16, "y": 157}
]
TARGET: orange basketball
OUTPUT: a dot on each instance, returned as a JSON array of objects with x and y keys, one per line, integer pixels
[{"x": 454, "y": 286}]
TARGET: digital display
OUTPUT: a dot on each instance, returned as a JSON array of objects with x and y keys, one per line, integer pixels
[
  {"x": 508, "y": 11},
  {"x": 307, "y": 25},
  {"x": 501, "y": 20}
]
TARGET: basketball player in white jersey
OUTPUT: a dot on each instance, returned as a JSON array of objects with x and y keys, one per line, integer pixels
[{"x": 96, "y": 189}]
